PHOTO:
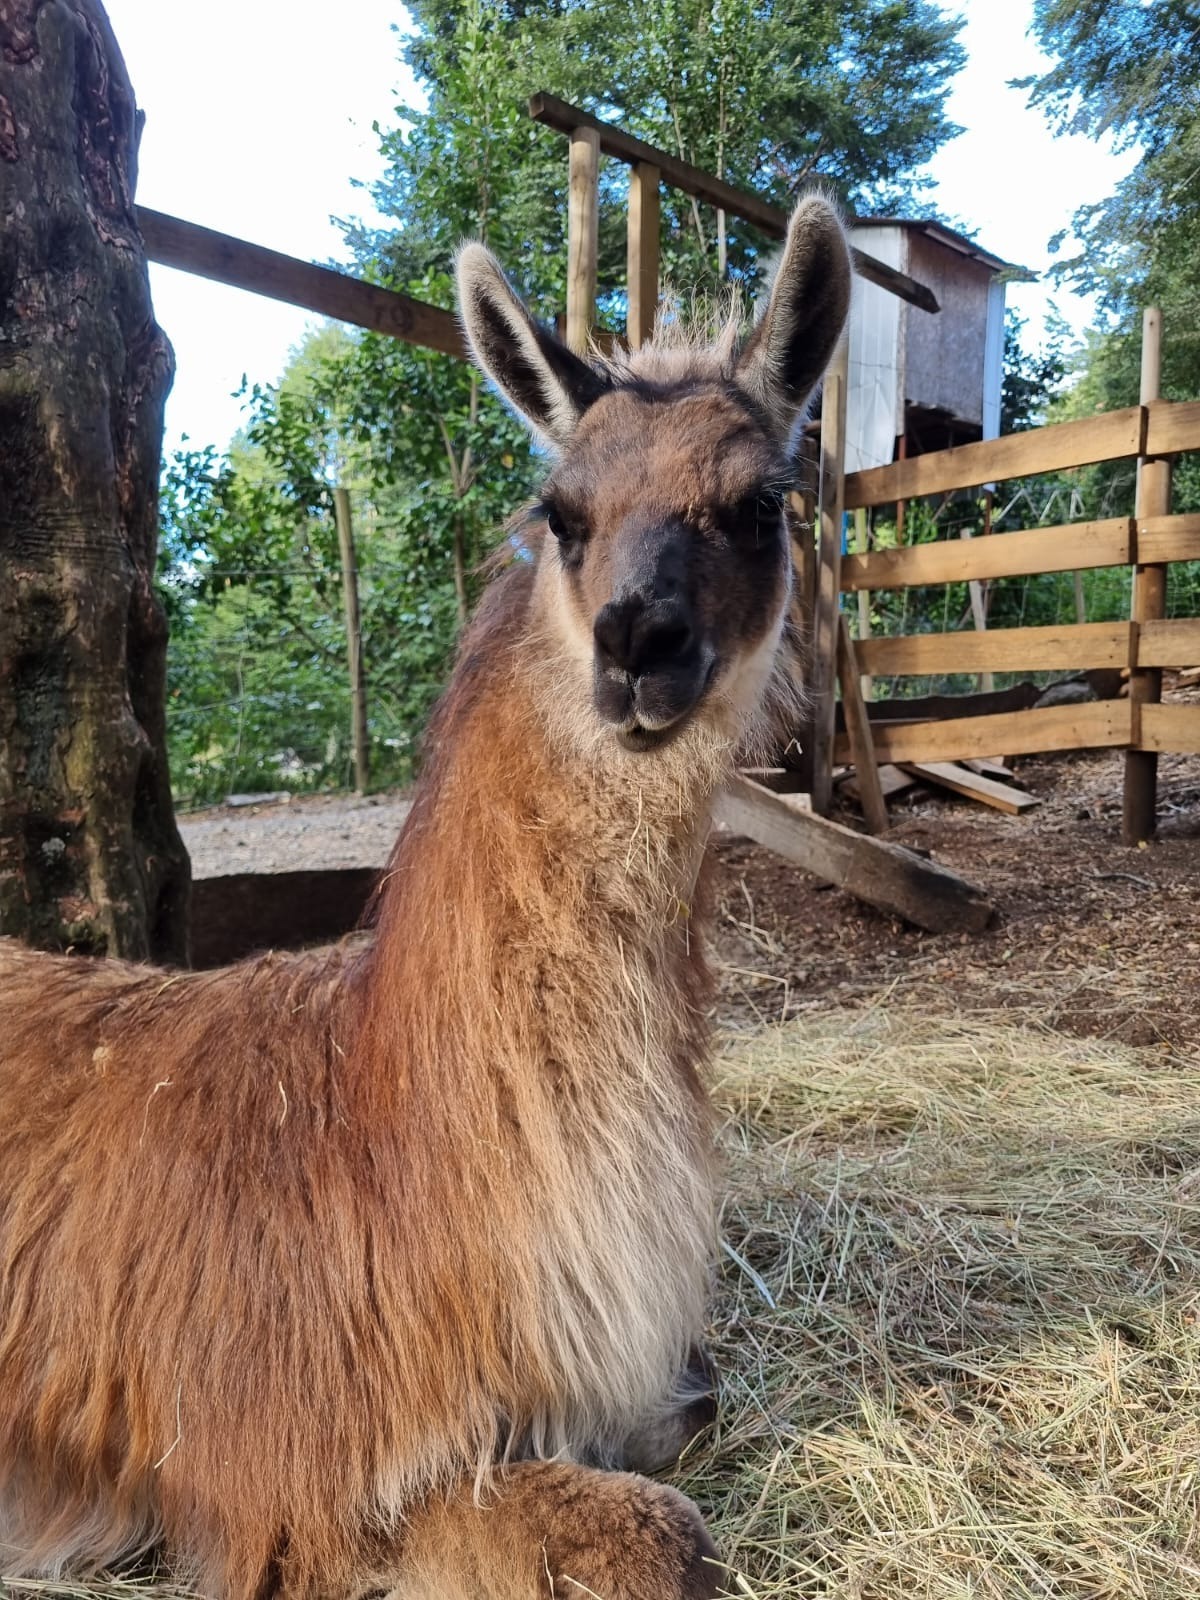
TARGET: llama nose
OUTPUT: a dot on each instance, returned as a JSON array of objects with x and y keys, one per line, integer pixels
[{"x": 636, "y": 636}]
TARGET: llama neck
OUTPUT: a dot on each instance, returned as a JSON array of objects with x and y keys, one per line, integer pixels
[{"x": 532, "y": 828}]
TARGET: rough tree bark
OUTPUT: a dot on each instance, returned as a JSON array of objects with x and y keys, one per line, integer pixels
[{"x": 90, "y": 857}]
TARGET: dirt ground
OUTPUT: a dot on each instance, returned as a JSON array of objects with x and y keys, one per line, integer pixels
[{"x": 1098, "y": 939}]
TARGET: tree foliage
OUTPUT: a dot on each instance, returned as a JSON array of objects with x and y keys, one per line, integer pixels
[{"x": 1131, "y": 71}]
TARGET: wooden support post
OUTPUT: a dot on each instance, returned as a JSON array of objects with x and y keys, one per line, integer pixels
[
  {"x": 1139, "y": 817},
  {"x": 901, "y": 505},
  {"x": 583, "y": 212},
  {"x": 875, "y": 870},
  {"x": 862, "y": 746},
  {"x": 862, "y": 546},
  {"x": 642, "y": 256},
  {"x": 829, "y": 565},
  {"x": 358, "y": 696},
  {"x": 979, "y": 614}
]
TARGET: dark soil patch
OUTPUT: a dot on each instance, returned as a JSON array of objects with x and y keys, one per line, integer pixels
[{"x": 1103, "y": 940}]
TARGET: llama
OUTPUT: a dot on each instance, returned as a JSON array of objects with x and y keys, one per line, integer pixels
[{"x": 377, "y": 1268}]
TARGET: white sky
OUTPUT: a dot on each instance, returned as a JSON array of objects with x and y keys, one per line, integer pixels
[{"x": 259, "y": 117}]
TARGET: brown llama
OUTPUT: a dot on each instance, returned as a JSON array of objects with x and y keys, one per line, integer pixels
[{"x": 369, "y": 1268}]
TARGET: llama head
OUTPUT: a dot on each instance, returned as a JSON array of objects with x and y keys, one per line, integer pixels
[{"x": 664, "y": 555}]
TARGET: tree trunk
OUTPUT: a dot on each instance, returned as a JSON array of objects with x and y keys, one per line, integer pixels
[{"x": 90, "y": 857}]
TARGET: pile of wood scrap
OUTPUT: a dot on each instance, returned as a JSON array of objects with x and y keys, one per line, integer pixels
[{"x": 990, "y": 783}]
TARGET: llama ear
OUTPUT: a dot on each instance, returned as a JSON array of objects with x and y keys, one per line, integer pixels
[
  {"x": 784, "y": 358},
  {"x": 548, "y": 384}
]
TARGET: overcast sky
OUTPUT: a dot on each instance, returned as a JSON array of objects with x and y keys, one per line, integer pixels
[{"x": 260, "y": 115}]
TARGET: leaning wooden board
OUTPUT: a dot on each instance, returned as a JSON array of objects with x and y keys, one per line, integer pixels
[
  {"x": 883, "y": 874},
  {"x": 948, "y": 775}
]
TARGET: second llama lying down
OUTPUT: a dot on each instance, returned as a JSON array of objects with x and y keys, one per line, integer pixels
[{"x": 362, "y": 1270}]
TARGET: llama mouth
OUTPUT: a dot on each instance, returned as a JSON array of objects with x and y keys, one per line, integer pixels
[{"x": 640, "y": 740}]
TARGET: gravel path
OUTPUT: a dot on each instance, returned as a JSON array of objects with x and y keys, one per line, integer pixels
[{"x": 287, "y": 836}]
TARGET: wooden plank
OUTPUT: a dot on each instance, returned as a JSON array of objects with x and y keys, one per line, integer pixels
[
  {"x": 752, "y": 208},
  {"x": 1173, "y": 729},
  {"x": 1070, "y": 647},
  {"x": 941, "y": 707},
  {"x": 1091, "y": 726},
  {"x": 990, "y": 768},
  {"x": 875, "y": 870},
  {"x": 892, "y": 780},
  {"x": 949, "y": 775},
  {"x": 854, "y": 709},
  {"x": 1161, "y": 539},
  {"x": 354, "y": 651},
  {"x": 1173, "y": 425},
  {"x": 1003, "y": 555},
  {"x": 643, "y": 240},
  {"x": 583, "y": 223},
  {"x": 1015, "y": 455},
  {"x": 174, "y": 243},
  {"x": 1139, "y": 803},
  {"x": 823, "y": 666},
  {"x": 234, "y": 916},
  {"x": 1173, "y": 642}
]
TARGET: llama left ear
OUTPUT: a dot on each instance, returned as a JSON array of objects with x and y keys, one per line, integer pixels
[
  {"x": 547, "y": 383},
  {"x": 784, "y": 358}
]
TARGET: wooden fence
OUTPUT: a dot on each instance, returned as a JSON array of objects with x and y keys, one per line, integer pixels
[{"x": 1147, "y": 543}]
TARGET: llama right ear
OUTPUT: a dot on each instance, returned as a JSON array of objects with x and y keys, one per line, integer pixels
[
  {"x": 548, "y": 384},
  {"x": 784, "y": 358}
]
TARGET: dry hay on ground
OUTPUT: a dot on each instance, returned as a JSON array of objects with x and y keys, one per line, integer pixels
[
  {"x": 957, "y": 1328},
  {"x": 958, "y": 1332}
]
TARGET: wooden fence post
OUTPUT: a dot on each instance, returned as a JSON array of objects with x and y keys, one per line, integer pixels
[
  {"x": 858, "y": 730},
  {"x": 1153, "y": 499},
  {"x": 862, "y": 545},
  {"x": 358, "y": 696},
  {"x": 583, "y": 221},
  {"x": 641, "y": 275},
  {"x": 829, "y": 569}
]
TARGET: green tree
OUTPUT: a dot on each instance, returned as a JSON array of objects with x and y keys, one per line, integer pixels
[{"x": 1131, "y": 72}]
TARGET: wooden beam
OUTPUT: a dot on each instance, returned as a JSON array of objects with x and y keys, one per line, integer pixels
[
  {"x": 1162, "y": 539},
  {"x": 1091, "y": 726},
  {"x": 892, "y": 780},
  {"x": 752, "y": 208},
  {"x": 973, "y": 786},
  {"x": 875, "y": 870},
  {"x": 944, "y": 707},
  {"x": 354, "y": 653},
  {"x": 583, "y": 223},
  {"x": 1062, "y": 445},
  {"x": 1173, "y": 729},
  {"x": 1003, "y": 555},
  {"x": 1070, "y": 647},
  {"x": 643, "y": 243},
  {"x": 823, "y": 666},
  {"x": 1173, "y": 642},
  {"x": 854, "y": 709},
  {"x": 190, "y": 248},
  {"x": 1173, "y": 425},
  {"x": 1139, "y": 805}
]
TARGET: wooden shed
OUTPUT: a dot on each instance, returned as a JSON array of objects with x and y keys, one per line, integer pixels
[{"x": 918, "y": 381}]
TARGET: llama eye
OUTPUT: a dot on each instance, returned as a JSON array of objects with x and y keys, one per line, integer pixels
[
  {"x": 768, "y": 504},
  {"x": 556, "y": 524}
]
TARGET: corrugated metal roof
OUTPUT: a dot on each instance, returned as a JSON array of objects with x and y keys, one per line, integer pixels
[{"x": 951, "y": 239}]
